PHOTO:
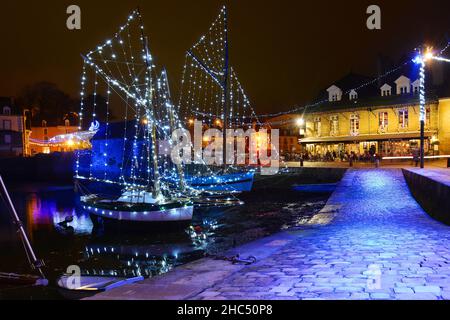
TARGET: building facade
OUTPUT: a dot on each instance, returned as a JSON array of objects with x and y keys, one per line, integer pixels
[
  {"x": 289, "y": 127},
  {"x": 41, "y": 137},
  {"x": 381, "y": 117},
  {"x": 12, "y": 129}
]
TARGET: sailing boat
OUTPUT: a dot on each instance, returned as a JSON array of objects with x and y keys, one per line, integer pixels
[
  {"x": 216, "y": 194},
  {"x": 117, "y": 68},
  {"x": 212, "y": 92}
]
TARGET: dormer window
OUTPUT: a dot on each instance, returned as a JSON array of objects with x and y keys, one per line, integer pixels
[
  {"x": 403, "y": 85},
  {"x": 334, "y": 94},
  {"x": 353, "y": 95},
  {"x": 386, "y": 90},
  {"x": 6, "y": 111},
  {"x": 416, "y": 86}
]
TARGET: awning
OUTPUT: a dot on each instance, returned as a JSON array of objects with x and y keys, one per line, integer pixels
[{"x": 369, "y": 137}]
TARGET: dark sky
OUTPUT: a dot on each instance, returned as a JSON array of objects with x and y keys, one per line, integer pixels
[{"x": 284, "y": 51}]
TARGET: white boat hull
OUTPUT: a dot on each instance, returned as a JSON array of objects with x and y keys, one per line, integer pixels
[{"x": 170, "y": 215}]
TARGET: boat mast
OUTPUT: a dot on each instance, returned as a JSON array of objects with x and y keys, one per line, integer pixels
[
  {"x": 151, "y": 113},
  {"x": 172, "y": 127},
  {"x": 225, "y": 89},
  {"x": 34, "y": 261}
]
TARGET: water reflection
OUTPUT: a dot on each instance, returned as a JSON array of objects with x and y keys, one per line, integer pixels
[{"x": 63, "y": 234}]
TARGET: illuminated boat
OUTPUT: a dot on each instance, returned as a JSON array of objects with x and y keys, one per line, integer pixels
[
  {"x": 138, "y": 206},
  {"x": 213, "y": 96},
  {"x": 145, "y": 198}
]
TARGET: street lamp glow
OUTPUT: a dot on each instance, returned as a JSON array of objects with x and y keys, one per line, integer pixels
[
  {"x": 300, "y": 122},
  {"x": 428, "y": 56}
]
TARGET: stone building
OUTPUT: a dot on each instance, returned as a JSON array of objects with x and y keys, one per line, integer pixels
[{"x": 383, "y": 114}]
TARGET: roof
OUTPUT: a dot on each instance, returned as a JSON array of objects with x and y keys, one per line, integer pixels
[
  {"x": 368, "y": 89},
  {"x": 8, "y": 102}
]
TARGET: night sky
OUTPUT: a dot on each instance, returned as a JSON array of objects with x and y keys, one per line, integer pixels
[{"x": 284, "y": 51}]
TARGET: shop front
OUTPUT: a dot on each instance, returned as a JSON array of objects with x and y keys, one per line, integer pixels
[{"x": 385, "y": 145}]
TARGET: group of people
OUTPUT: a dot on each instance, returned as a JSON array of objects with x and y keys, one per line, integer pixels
[{"x": 333, "y": 156}]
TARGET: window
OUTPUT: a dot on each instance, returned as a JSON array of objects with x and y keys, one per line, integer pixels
[
  {"x": 428, "y": 116},
  {"x": 383, "y": 121},
  {"x": 67, "y": 123},
  {"x": 334, "y": 93},
  {"x": 7, "y": 111},
  {"x": 403, "y": 118},
  {"x": 354, "y": 124},
  {"x": 386, "y": 93},
  {"x": 334, "y": 125},
  {"x": 45, "y": 132},
  {"x": 8, "y": 139},
  {"x": 7, "y": 125},
  {"x": 317, "y": 126},
  {"x": 404, "y": 90},
  {"x": 403, "y": 85}
]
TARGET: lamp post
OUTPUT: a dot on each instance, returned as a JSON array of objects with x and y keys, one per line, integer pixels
[
  {"x": 422, "y": 111},
  {"x": 301, "y": 124},
  {"x": 421, "y": 60},
  {"x": 25, "y": 134}
]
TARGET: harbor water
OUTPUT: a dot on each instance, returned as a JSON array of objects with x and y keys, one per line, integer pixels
[{"x": 274, "y": 204}]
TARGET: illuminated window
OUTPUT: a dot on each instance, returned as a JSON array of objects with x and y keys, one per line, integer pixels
[
  {"x": 354, "y": 124},
  {"x": 334, "y": 125},
  {"x": 403, "y": 118},
  {"x": 383, "y": 121},
  {"x": 317, "y": 126}
]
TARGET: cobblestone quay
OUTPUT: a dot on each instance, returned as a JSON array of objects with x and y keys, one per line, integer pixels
[{"x": 371, "y": 241}]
